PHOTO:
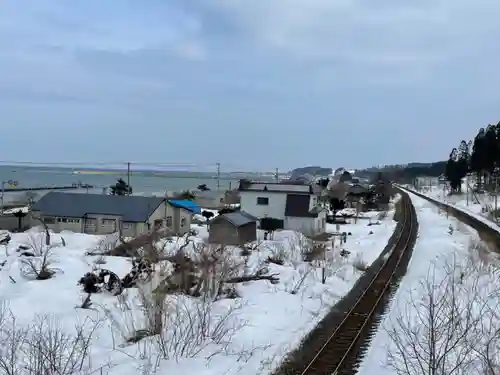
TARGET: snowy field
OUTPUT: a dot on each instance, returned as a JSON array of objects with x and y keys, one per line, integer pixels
[
  {"x": 452, "y": 277},
  {"x": 231, "y": 327}
]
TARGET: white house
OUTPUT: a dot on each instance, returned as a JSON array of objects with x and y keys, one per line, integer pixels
[{"x": 294, "y": 203}]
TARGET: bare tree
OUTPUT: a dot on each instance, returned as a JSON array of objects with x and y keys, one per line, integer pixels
[
  {"x": 45, "y": 227},
  {"x": 440, "y": 328}
]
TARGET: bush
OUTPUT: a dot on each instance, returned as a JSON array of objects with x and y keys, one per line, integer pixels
[
  {"x": 39, "y": 266},
  {"x": 278, "y": 255},
  {"x": 44, "y": 347},
  {"x": 359, "y": 264}
]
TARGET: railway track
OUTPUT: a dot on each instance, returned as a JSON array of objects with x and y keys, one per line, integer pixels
[{"x": 344, "y": 346}]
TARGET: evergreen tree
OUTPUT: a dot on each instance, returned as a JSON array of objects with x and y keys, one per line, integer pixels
[
  {"x": 452, "y": 170},
  {"x": 478, "y": 163},
  {"x": 120, "y": 188}
]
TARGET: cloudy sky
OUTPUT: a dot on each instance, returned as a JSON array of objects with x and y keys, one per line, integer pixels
[{"x": 250, "y": 84}]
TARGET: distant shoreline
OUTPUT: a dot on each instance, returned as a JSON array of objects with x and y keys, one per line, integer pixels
[{"x": 140, "y": 172}]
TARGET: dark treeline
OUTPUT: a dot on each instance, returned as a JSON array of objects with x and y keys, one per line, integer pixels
[
  {"x": 407, "y": 173},
  {"x": 480, "y": 156}
]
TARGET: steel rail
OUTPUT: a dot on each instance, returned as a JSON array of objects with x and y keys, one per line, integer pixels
[{"x": 408, "y": 220}]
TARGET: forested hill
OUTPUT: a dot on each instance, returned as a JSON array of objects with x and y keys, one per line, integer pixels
[
  {"x": 406, "y": 172},
  {"x": 312, "y": 170}
]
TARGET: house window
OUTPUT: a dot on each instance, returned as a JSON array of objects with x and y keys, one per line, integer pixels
[
  {"x": 67, "y": 220},
  {"x": 183, "y": 221},
  {"x": 169, "y": 221},
  {"x": 158, "y": 223},
  {"x": 49, "y": 220},
  {"x": 262, "y": 201},
  {"x": 126, "y": 225},
  {"x": 108, "y": 222}
]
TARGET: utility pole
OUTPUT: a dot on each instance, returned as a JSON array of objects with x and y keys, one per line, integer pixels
[
  {"x": 128, "y": 176},
  {"x": 218, "y": 176},
  {"x": 277, "y": 176},
  {"x": 3, "y": 192},
  {"x": 467, "y": 187},
  {"x": 496, "y": 197}
]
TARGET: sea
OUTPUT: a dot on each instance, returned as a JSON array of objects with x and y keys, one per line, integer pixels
[{"x": 157, "y": 183}]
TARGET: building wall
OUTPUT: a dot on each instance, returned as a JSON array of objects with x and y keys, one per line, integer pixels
[
  {"x": 177, "y": 219},
  {"x": 163, "y": 215},
  {"x": 106, "y": 224},
  {"x": 185, "y": 221},
  {"x": 247, "y": 233},
  {"x": 223, "y": 232},
  {"x": 307, "y": 225},
  {"x": 275, "y": 208},
  {"x": 181, "y": 220},
  {"x": 58, "y": 224},
  {"x": 91, "y": 224},
  {"x": 283, "y": 187},
  {"x": 10, "y": 222},
  {"x": 215, "y": 203}
]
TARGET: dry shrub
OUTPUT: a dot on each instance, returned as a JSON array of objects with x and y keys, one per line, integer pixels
[
  {"x": 278, "y": 254},
  {"x": 44, "y": 347},
  {"x": 100, "y": 260},
  {"x": 249, "y": 248},
  {"x": 382, "y": 215},
  {"x": 176, "y": 326},
  {"x": 359, "y": 264},
  {"x": 304, "y": 272},
  {"x": 309, "y": 250},
  {"x": 39, "y": 266},
  {"x": 216, "y": 265},
  {"x": 315, "y": 251},
  {"x": 107, "y": 243}
]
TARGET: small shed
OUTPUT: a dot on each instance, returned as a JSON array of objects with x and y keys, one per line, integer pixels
[{"x": 234, "y": 228}]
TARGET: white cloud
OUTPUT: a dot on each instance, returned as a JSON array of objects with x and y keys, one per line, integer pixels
[
  {"x": 278, "y": 66},
  {"x": 365, "y": 31},
  {"x": 191, "y": 50}
]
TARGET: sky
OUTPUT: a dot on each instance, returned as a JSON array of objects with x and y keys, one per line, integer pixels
[{"x": 253, "y": 85}]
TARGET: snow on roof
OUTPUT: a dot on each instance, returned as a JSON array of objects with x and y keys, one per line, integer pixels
[{"x": 11, "y": 211}]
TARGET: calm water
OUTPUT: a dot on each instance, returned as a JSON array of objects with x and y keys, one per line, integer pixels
[{"x": 141, "y": 183}]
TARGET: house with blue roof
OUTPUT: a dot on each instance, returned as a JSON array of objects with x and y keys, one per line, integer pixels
[{"x": 131, "y": 215}]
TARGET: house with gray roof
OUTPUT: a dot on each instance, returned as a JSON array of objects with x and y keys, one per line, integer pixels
[
  {"x": 234, "y": 228},
  {"x": 103, "y": 214}
]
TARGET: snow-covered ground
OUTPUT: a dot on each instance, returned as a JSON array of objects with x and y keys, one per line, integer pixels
[
  {"x": 445, "y": 263},
  {"x": 249, "y": 334},
  {"x": 366, "y": 235},
  {"x": 201, "y": 218}
]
